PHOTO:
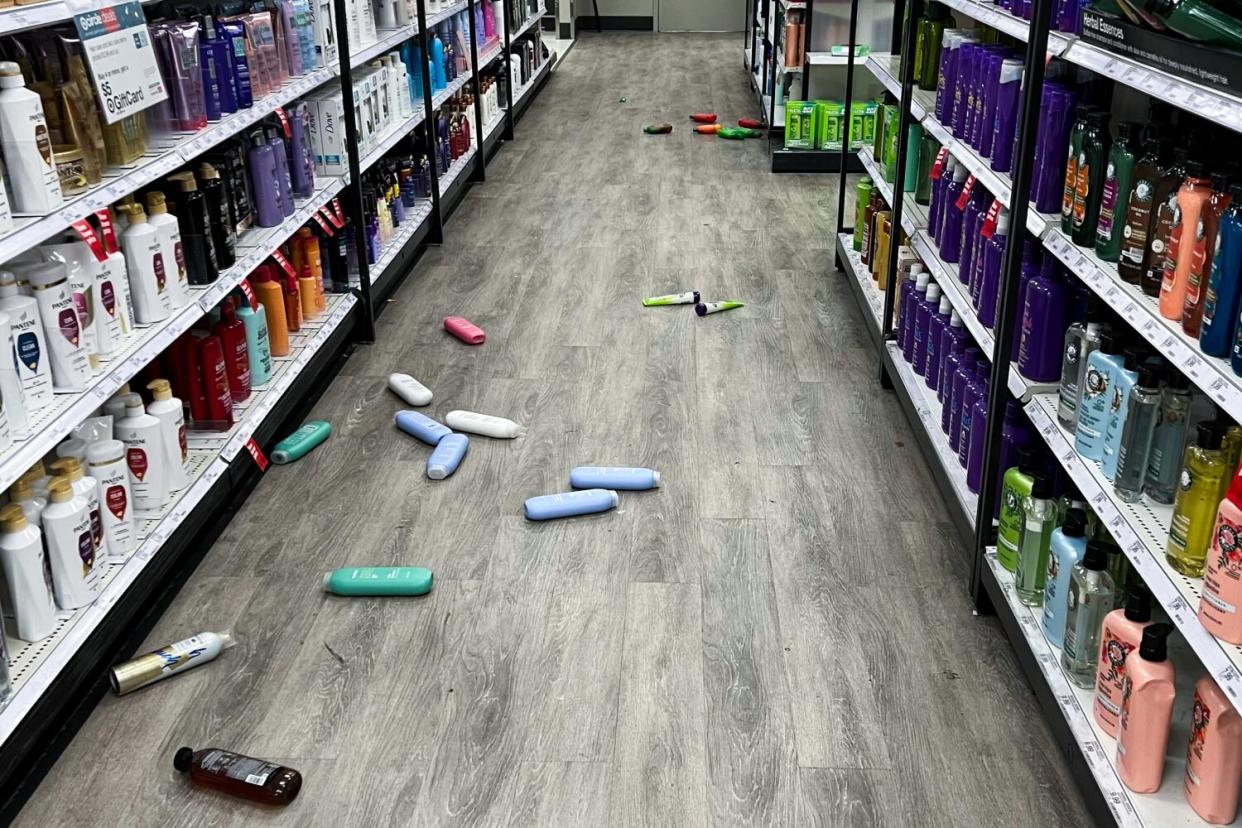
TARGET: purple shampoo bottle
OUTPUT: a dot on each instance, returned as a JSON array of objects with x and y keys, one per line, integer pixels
[
  {"x": 972, "y": 216},
  {"x": 1045, "y": 312},
  {"x": 962, "y": 86},
  {"x": 922, "y": 318},
  {"x": 951, "y": 41},
  {"x": 284, "y": 184},
  {"x": 1016, "y": 435},
  {"x": 965, "y": 370},
  {"x": 1005, "y": 114},
  {"x": 1030, "y": 267},
  {"x": 974, "y": 442},
  {"x": 993, "y": 258},
  {"x": 934, "y": 339},
  {"x": 301, "y": 161},
  {"x": 264, "y": 184},
  {"x": 952, "y": 342},
  {"x": 991, "y": 90},
  {"x": 951, "y": 224},
  {"x": 1057, "y": 119},
  {"x": 972, "y": 387},
  {"x": 915, "y": 297}
]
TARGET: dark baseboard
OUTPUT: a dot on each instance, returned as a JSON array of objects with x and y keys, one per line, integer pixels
[
  {"x": 586, "y": 23},
  {"x": 566, "y": 31}
]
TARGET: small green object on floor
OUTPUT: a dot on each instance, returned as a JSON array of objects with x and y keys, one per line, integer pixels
[
  {"x": 658, "y": 129},
  {"x": 734, "y": 133},
  {"x": 622, "y": 99}
]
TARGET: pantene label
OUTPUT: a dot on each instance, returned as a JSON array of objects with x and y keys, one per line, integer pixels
[
  {"x": 116, "y": 501},
  {"x": 67, "y": 322},
  {"x": 136, "y": 459}
]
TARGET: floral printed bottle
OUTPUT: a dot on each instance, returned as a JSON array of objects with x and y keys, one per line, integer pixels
[
  {"x": 1222, "y": 580},
  {"x": 1120, "y": 635},
  {"x": 1214, "y": 755}
]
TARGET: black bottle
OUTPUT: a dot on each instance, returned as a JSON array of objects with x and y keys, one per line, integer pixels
[
  {"x": 190, "y": 208},
  {"x": 222, "y": 240}
]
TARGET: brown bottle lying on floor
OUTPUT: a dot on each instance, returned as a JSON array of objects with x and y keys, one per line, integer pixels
[{"x": 239, "y": 775}]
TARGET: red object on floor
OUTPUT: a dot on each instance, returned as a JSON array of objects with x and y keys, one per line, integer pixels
[
  {"x": 749, "y": 123},
  {"x": 465, "y": 330},
  {"x": 704, "y": 117}
]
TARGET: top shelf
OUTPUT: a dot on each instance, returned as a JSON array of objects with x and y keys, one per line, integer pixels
[{"x": 1200, "y": 100}]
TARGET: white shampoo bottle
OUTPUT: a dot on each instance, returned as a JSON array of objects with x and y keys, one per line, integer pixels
[
  {"x": 149, "y": 275},
  {"x": 168, "y": 410},
  {"x": 144, "y": 454},
  {"x": 86, "y": 488},
  {"x": 30, "y": 359},
  {"x": 33, "y": 186},
  {"x": 106, "y": 460},
  {"x": 168, "y": 231},
  {"x": 71, "y": 367},
  {"x": 28, "y": 593},
  {"x": 67, "y": 526}
]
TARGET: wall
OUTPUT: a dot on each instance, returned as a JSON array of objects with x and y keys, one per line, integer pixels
[{"x": 616, "y": 14}]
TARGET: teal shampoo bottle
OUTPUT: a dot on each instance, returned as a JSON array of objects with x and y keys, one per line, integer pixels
[
  {"x": 378, "y": 580},
  {"x": 298, "y": 444}
]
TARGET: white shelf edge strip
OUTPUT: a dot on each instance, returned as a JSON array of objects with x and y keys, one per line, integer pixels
[
  {"x": 1148, "y": 562},
  {"x": 929, "y": 410},
  {"x": 146, "y": 343},
  {"x": 389, "y": 39},
  {"x": 191, "y": 145}
]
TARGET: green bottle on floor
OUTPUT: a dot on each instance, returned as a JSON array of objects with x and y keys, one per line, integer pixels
[{"x": 1039, "y": 518}]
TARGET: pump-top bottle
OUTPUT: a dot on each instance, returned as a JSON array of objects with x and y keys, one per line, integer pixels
[
  {"x": 144, "y": 453},
  {"x": 1146, "y": 711},
  {"x": 1214, "y": 757},
  {"x": 87, "y": 488},
  {"x": 33, "y": 185},
  {"x": 169, "y": 411},
  {"x": 1090, "y": 599},
  {"x": 71, "y": 554},
  {"x": 152, "y": 279},
  {"x": 172, "y": 248},
  {"x": 29, "y": 595}
]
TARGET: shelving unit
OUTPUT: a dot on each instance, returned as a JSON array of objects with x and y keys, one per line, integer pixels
[
  {"x": 865, "y": 291},
  {"x": 55, "y": 680},
  {"x": 1141, "y": 529}
]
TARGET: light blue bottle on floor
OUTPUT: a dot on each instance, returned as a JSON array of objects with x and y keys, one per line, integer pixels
[
  {"x": 610, "y": 477},
  {"x": 421, "y": 426},
  {"x": 1065, "y": 549},
  {"x": 568, "y": 504},
  {"x": 447, "y": 456}
]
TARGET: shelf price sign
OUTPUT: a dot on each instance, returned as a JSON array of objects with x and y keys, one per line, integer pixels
[{"x": 121, "y": 60}]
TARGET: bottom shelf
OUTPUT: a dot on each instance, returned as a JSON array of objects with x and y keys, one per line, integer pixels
[
  {"x": 923, "y": 409},
  {"x": 869, "y": 296},
  {"x": 1086, "y": 741}
]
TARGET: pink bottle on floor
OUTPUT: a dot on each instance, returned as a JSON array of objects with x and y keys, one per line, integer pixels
[
  {"x": 1146, "y": 711},
  {"x": 1214, "y": 756},
  {"x": 1120, "y": 635},
  {"x": 465, "y": 330}
]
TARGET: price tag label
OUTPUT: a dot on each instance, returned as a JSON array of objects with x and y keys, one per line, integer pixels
[
  {"x": 250, "y": 296},
  {"x": 327, "y": 228},
  {"x": 260, "y": 459},
  {"x": 283, "y": 262},
  {"x": 121, "y": 60},
  {"x": 284, "y": 121},
  {"x": 938, "y": 165}
]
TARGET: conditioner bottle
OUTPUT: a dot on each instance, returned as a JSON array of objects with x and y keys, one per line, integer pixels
[{"x": 1146, "y": 711}]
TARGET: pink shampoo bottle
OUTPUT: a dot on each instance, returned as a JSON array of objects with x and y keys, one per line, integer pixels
[
  {"x": 1146, "y": 711},
  {"x": 1214, "y": 756}
]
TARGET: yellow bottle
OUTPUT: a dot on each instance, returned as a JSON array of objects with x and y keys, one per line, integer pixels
[
  {"x": 879, "y": 262},
  {"x": 1204, "y": 473}
]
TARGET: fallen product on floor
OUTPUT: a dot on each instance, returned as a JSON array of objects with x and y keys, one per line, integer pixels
[
  {"x": 708, "y": 129},
  {"x": 690, "y": 297},
  {"x": 484, "y": 424},
  {"x": 378, "y": 580},
  {"x": 465, "y": 330},
  {"x": 736, "y": 133},
  {"x": 704, "y": 117},
  {"x": 447, "y": 456},
  {"x": 568, "y": 504},
  {"x": 421, "y": 427},
  {"x": 750, "y": 123},
  {"x": 704, "y": 308},
  {"x": 169, "y": 660},
  {"x": 658, "y": 129},
  {"x": 409, "y": 389},
  {"x": 300, "y": 443},
  {"x": 243, "y": 776},
  {"x": 614, "y": 477}
]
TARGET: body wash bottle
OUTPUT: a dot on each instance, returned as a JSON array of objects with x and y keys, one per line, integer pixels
[
  {"x": 1214, "y": 756},
  {"x": 1068, "y": 545},
  {"x": 1120, "y": 634},
  {"x": 1133, "y": 450},
  {"x": 1090, "y": 598},
  {"x": 1039, "y": 515},
  {"x": 1198, "y": 495},
  {"x": 1146, "y": 712}
]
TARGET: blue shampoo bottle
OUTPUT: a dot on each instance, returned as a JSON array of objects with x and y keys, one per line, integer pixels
[
  {"x": 609, "y": 477},
  {"x": 421, "y": 427},
  {"x": 447, "y": 456},
  {"x": 568, "y": 504},
  {"x": 1065, "y": 549},
  {"x": 258, "y": 347},
  {"x": 1096, "y": 399}
]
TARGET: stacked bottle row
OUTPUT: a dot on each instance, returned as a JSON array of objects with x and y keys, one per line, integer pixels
[
  {"x": 1098, "y": 613},
  {"x": 391, "y": 192},
  {"x": 55, "y": 142},
  {"x": 449, "y": 50},
  {"x": 526, "y": 57},
  {"x": 387, "y": 93},
  {"x": 453, "y": 132},
  {"x": 491, "y": 93}
]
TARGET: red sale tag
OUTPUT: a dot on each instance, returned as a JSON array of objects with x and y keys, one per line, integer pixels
[
  {"x": 327, "y": 228},
  {"x": 283, "y": 262},
  {"x": 250, "y": 297},
  {"x": 107, "y": 229},
  {"x": 337, "y": 223},
  {"x": 340, "y": 214},
  {"x": 284, "y": 121},
  {"x": 260, "y": 459},
  {"x": 965, "y": 196},
  {"x": 989, "y": 220},
  {"x": 88, "y": 235},
  {"x": 937, "y": 169}
]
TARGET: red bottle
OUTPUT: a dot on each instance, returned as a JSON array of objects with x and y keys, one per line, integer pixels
[
  {"x": 188, "y": 379},
  {"x": 293, "y": 303},
  {"x": 233, "y": 773},
  {"x": 215, "y": 381},
  {"x": 232, "y": 333}
]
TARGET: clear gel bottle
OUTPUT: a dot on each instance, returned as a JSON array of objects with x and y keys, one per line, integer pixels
[
  {"x": 1081, "y": 340},
  {"x": 1164, "y": 465},
  {"x": 1039, "y": 518},
  {"x": 1134, "y": 452},
  {"x": 1090, "y": 599}
]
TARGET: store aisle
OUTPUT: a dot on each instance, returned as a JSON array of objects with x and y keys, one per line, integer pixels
[{"x": 779, "y": 636}]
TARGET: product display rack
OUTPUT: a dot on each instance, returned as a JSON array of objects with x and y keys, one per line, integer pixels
[
  {"x": 58, "y": 680},
  {"x": 1141, "y": 530}
]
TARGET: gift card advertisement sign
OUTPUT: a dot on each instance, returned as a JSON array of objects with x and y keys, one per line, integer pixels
[{"x": 121, "y": 60}]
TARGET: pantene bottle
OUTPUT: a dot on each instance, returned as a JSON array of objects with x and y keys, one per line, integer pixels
[
  {"x": 34, "y": 373},
  {"x": 141, "y": 433},
  {"x": 86, "y": 488},
  {"x": 71, "y": 367},
  {"x": 168, "y": 231},
  {"x": 108, "y": 467},
  {"x": 168, "y": 410},
  {"x": 22, "y": 493},
  {"x": 28, "y": 594},
  {"x": 33, "y": 185},
  {"x": 151, "y": 285},
  {"x": 1214, "y": 756},
  {"x": 1146, "y": 711},
  {"x": 67, "y": 527},
  {"x": 10, "y": 386}
]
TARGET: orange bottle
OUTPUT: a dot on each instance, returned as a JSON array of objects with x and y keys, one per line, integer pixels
[
  {"x": 293, "y": 304},
  {"x": 268, "y": 290},
  {"x": 1192, "y": 197},
  {"x": 306, "y": 286},
  {"x": 309, "y": 243}
]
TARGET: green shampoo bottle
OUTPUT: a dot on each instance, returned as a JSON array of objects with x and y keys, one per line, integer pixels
[
  {"x": 1115, "y": 195},
  {"x": 378, "y": 580},
  {"x": 298, "y": 444}
]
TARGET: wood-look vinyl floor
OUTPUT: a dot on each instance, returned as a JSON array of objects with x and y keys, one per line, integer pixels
[{"x": 778, "y": 636}]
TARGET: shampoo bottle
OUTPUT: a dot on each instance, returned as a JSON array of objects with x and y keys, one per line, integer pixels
[
  {"x": 1133, "y": 450},
  {"x": 87, "y": 488},
  {"x": 1146, "y": 711},
  {"x": 1122, "y": 384},
  {"x": 490, "y": 426},
  {"x": 1198, "y": 495},
  {"x": 34, "y": 374},
  {"x": 33, "y": 185},
  {"x": 1214, "y": 756},
  {"x": 1165, "y": 465},
  {"x": 1039, "y": 514},
  {"x": 169, "y": 411},
  {"x": 270, "y": 295},
  {"x": 1095, "y": 400},
  {"x": 1120, "y": 634},
  {"x": 378, "y": 580},
  {"x": 71, "y": 368},
  {"x": 421, "y": 427},
  {"x": 1090, "y": 598},
  {"x": 195, "y": 222},
  {"x": 569, "y": 504},
  {"x": 172, "y": 249},
  {"x": 28, "y": 593},
  {"x": 258, "y": 347},
  {"x": 232, "y": 333},
  {"x": 149, "y": 276},
  {"x": 1081, "y": 341},
  {"x": 142, "y": 435},
  {"x": 1066, "y": 550},
  {"x": 106, "y": 460},
  {"x": 1220, "y": 605},
  {"x": 1220, "y": 305},
  {"x": 447, "y": 456},
  {"x": 300, "y": 443},
  {"x": 71, "y": 554},
  {"x": 238, "y": 775}
]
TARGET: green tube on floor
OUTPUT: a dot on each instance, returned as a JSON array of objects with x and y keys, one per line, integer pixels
[{"x": 378, "y": 580}]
